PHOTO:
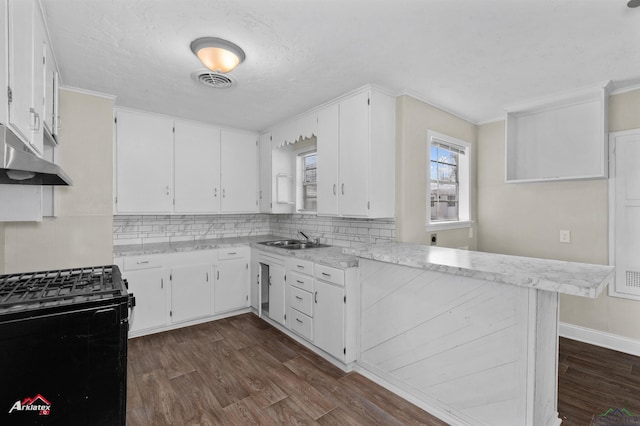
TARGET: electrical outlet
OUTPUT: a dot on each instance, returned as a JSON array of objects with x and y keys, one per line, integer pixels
[
  {"x": 434, "y": 239},
  {"x": 565, "y": 236}
]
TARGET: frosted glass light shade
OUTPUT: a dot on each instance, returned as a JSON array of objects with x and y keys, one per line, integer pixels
[{"x": 217, "y": 54}]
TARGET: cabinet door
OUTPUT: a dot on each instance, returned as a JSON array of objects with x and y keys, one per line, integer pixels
[
  {"x": 354, "y": 155},
  {"x": 328, "y": 161},
  {"x": 4, "y": 55},
  {"x": 22, "y": 49},
  {"x": 190, "y": 292},
  {"x": 276, "y": 294},
  {"x": 328, "y": 318},
  {"x": 231, "y": 290},
  {"x": 150, "y": 288},
  {"x": 38, "y": 85},
  {"x": 239, "y": 172},
  {"x": 264, "y": 149},
  {"x": 254, "y": 281},
  {"x": 144, "y": 163},
  {"x": 197, "y": 168}
]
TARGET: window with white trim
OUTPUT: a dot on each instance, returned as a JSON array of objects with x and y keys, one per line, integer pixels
[
  {"x": 448, "y": 182},
  {"x": 307, "y": 198}
]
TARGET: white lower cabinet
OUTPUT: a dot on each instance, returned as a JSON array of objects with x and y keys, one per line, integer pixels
[
  {"x": 190, "y": 292},
  {"x": 151, "y": 290},
  {"x": 231, "y": 288},
  {"x": 277, "y": 294},
  {"x": 185, "y": 288},
  {"x": 328, "y": 318}
]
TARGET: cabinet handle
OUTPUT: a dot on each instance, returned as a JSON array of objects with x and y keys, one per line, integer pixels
[
  {"x": 298, "y": 319},
  {"x": 300, "y": 282},
  {"x": 215, "y": 192},
  {"x": 269, "y": 279},
  {"x": 261, "y": 194},
  {"x": 315, "y": 297},
  {"x": 300, "y": 266},
  {"x": 298, "y": 297},
  {"x": 142, "y": 262},
  {"x": 231, "y": 253},
  {"x": 207, "y": 277},
  {"x": 224, "y": 193},
  {"x": 161, "y": 282},
  {"x": 334, "y": 189},
  {"x": 326, "y": 275},
  {"x": 35, "y": 120},
  {"x": 167, "y": 190},
  {"x": 343, "y": 189}
]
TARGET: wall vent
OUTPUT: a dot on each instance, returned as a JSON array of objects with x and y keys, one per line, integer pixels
[{"x": 213, "y": 79}]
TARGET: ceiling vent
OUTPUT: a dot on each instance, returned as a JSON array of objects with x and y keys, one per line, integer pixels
[{"x": 213, "y": 79}]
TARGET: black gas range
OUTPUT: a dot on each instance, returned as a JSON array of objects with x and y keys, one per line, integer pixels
[{"x": 63, "y": 340}]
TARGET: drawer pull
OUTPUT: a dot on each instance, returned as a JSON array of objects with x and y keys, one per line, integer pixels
[
  {"x": 298, "y": 319},
  {"x": 315, "y": 297},
  {"x": 300, "y": 266},
  {"x": 300, "y": 282},
  {"x": 142, "y": 262},
  {"x": 231, "y": 253},
  {"x": 298, "y": 297},
  {"x": 326, "y": 275}
]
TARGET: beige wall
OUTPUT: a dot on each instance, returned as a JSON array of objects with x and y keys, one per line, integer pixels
[
  {"x": 81, "y": 235},
  {"x": 413, "y": 119},
  {"x": 525, "y": 219}
]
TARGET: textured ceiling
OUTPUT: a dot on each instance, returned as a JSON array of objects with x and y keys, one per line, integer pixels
[{"x": 471, "y": 57}]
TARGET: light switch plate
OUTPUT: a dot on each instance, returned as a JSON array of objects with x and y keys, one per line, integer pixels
[{"x": 565, "y": 236}]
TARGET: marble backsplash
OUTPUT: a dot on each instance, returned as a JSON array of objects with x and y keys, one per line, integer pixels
[{"x": 147, "y": 229}]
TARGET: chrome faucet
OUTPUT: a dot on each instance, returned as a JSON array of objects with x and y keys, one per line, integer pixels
[{"x": 316, "y": 241}]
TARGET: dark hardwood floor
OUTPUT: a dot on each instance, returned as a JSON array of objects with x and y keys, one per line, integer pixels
[
  {"x": 242, "y": 371},
  {"x": 592, "y": 379}
]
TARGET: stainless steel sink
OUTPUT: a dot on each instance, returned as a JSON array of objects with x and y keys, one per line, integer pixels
[{"x": 293, "y": 244}]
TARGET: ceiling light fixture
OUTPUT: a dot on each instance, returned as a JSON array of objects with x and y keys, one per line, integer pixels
[{"x": 217, "y": 54}]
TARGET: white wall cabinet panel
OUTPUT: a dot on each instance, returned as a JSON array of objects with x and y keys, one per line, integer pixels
[
  {"x": 4, "y": 55},
  {"x": 50, "y": 110},
  {"x": 327, "y": 171},
  {"x": 27, "y": 43},
  {"x": 197, "y": 168},
  {"x": 231, "y": 290},
  {"x": 264, "y": 150},
  {"x": 151, "y": 289},
  {"x": 356, "y": 151},
  {"x": 190, "y": 292},
  {"x": 239, "y": 175},
  {"x": 144, "y": 163}
]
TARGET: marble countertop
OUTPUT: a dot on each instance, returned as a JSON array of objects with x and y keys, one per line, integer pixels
[
  {"x": 580, "y": 279},
  {"x": 330, "y": 256}
]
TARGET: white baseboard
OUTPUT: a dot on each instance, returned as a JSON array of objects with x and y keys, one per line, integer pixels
[{"x": 600, "y": 338}]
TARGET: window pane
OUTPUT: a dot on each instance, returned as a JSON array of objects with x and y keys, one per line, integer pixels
[
  {"x": 447, "y": 173},
  {"x": 443, "y": 173}
]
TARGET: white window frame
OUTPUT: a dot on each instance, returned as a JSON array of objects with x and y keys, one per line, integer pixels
[
  {"x": 464, "y": 182},
  {"x": 300, "y": 154}
]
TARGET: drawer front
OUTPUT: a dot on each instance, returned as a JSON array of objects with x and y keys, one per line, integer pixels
[
  {"x": 300, "y": 266},
  {"x": 304, "y": 282},
  {"x": 329, "y": 274},
  {"x": 301, "y": 324},
  {"x": 301, "y": 301},
  {"x": 143, "y": 262},
  {"x": 233, "y": 253}
]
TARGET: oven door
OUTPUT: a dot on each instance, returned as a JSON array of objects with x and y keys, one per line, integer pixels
[{"x": 64, "y": 369}]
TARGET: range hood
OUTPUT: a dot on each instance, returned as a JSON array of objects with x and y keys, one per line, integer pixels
[{"x": 19, "y": 166}]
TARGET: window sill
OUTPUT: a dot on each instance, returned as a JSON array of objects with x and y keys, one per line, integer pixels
[{"x": 441, "y": 226}]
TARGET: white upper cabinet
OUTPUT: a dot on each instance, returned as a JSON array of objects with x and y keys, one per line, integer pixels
[
  {"x": 144, "y": 163},
  {"x": 50, "y": 111},
  {"x": 356, "y": 156},
  {"x": 560, "y": 138},
  {"x": 26, "y": 65},
  {"x": 264, "y": 156},
  {"x": 197, "y": 168},
  {"x": 167, "y": 166},
  {"x": 4, "y": 81},
  {"x": 238, "y": 171},
  {"x": 327, "y": 171}
]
